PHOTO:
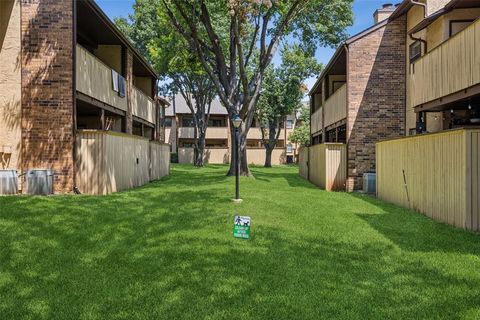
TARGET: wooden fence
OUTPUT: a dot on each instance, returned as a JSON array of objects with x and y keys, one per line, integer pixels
[
  {"x": 435, "y": 174},
  {"x": 325, "y": 165},
  {"x": 108, "y": 162},
  {"x": 303, "y": 162}
]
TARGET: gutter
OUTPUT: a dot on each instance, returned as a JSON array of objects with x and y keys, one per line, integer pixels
[{"x": 425, "y": 15}]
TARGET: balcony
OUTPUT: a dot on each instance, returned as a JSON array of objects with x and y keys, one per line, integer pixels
[
  {"x": 317, "y": 120},
  {"x": 451, "y": 67},
  {"x": 256, "y": 134},
  {"x": 212, "y": 133},
  {"x": 332, "y": 111},
  {"x": 94, "y": 79},
  {"x": 143, "y": 106},
  {"x": 336, "y": 106}
]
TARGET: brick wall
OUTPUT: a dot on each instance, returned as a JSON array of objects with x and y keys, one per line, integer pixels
[
  {"x": 376, "y": 96},
  {"x": 47, "y": 88}
]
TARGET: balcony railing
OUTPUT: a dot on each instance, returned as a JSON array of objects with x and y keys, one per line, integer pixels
[
  {"x": 256, "y": 134},
  {"x": 143, "y": 106},
  {"x": 451, "y": 67},
  {"x": 335, "y": 110},
  {"x": 336, "y": 106},
  {"x": 212, "y": 133},
  {"x": 317, "y": 120},
  {"x": 94, "y": 78}
]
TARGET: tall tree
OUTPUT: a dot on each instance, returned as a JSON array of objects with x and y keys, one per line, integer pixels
[
  {"x": 301, "y": 133},
  {"x": 237, "y": 63},
  {"x": 179, "y": 68},
  {"x": 282, "y": 93}
]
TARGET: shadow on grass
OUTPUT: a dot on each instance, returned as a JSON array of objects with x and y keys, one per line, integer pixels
[
  {"x": 162, "y": 251},
  {"x": 413, "y": 231},
  {"x": 293, "y": 179}
]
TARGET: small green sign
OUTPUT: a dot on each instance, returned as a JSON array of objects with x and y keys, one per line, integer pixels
[{"x": 241, "y": 227}]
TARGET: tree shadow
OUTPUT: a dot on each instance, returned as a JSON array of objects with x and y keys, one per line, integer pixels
[{"x": 415, "y": 232}]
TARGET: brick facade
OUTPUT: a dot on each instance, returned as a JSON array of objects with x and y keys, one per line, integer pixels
[
  {"x": 47, "y": 89},
  {"x": 375, "y": 96}
]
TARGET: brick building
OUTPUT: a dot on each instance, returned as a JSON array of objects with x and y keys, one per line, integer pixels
[
  {"x": 66, "y": 69},
  {"x": 359, "y": 98}
]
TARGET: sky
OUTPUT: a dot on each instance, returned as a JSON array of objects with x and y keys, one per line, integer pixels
[{"x": 363, "y": 11}]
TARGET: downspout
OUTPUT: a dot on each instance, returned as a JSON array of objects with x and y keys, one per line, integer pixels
[{"x": 416, "y": 3}]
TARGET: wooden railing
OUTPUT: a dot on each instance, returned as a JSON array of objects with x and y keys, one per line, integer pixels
[
  {"x": 451, "y": 67},
  {"x": 212, "y": 133},
  {"x": 336, "y": 106},
  {"x": 435, "y": 174},
  {"x": 317, "y": 120},
  {"x": 94, "y": 78},
  {"x": 143, "y": 106},
  {"x": 256, "y": 133}
]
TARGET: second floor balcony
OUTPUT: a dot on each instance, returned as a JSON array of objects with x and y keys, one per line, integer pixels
[
  {"x": 212, "y": 133},
  {"x": 332, "y": 111},
  {"x": 95, "y": 79},
  {"x": 451, "y": 67}
]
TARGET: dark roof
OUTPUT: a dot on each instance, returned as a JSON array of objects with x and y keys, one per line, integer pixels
[
  {"x": 402, "y": 8},
  {"x": 112, "y": 31},
  {"x": 180, "y": 107}
]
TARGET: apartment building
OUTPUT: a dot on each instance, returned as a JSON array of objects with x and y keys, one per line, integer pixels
[
  {"x": 436, "y": 169},
  {"x": 179, "y": 134},
  {"x": 76, "y": 98},
  {"x": 358, "y": 99}
]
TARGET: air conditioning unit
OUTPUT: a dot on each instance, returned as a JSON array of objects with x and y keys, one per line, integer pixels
[
  {"x": 8, "y": 182},
  {"x": 369, "y": 182},
  {"x": 39, "y": 181}
]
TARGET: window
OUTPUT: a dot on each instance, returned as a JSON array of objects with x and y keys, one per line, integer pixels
[
  {"x": 457, "y": 26},
  {"x": 289, "y": 124},
  {"x": 187, "y": 122},
  {"x": 289, "y": 148},
  {"x": 415, "y": 51},
  {"x": 216, "y": 123},
  {"x": 168, "y": 122}
]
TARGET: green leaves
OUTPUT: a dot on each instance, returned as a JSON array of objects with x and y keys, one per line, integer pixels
[
  {"x": 301, "y": 133},
  {"x": 282, "y": 88}
]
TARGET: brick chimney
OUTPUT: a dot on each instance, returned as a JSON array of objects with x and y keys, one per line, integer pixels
[{"x": 384, "y": 12}]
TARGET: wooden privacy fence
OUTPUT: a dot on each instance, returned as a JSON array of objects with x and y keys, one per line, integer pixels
[
  {"x": 325, "y": 165},
  {"x": 435, "y": 174},
  {"x": 303, "y": 162},
  {"x": 108, "y": 162}
]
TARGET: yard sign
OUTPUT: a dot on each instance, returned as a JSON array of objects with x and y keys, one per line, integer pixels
[{"x": 241, "y": 227}]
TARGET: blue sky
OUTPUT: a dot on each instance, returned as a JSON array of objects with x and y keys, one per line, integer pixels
[{"x": 363, "y": 10}]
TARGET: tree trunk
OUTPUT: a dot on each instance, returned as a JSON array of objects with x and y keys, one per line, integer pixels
[
  {"x": 199, "y": 151},
  {"x": 268, "y": 157},
  {"x": 244, "y": 170}
]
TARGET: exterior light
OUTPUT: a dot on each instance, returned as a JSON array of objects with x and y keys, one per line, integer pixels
[{"x": 237, "y": 121}]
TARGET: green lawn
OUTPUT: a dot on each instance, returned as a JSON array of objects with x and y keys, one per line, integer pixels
[{"x": 166, "y": 251}]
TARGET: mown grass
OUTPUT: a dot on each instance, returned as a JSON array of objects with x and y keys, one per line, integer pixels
[{"x": 166, "y": 251}]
